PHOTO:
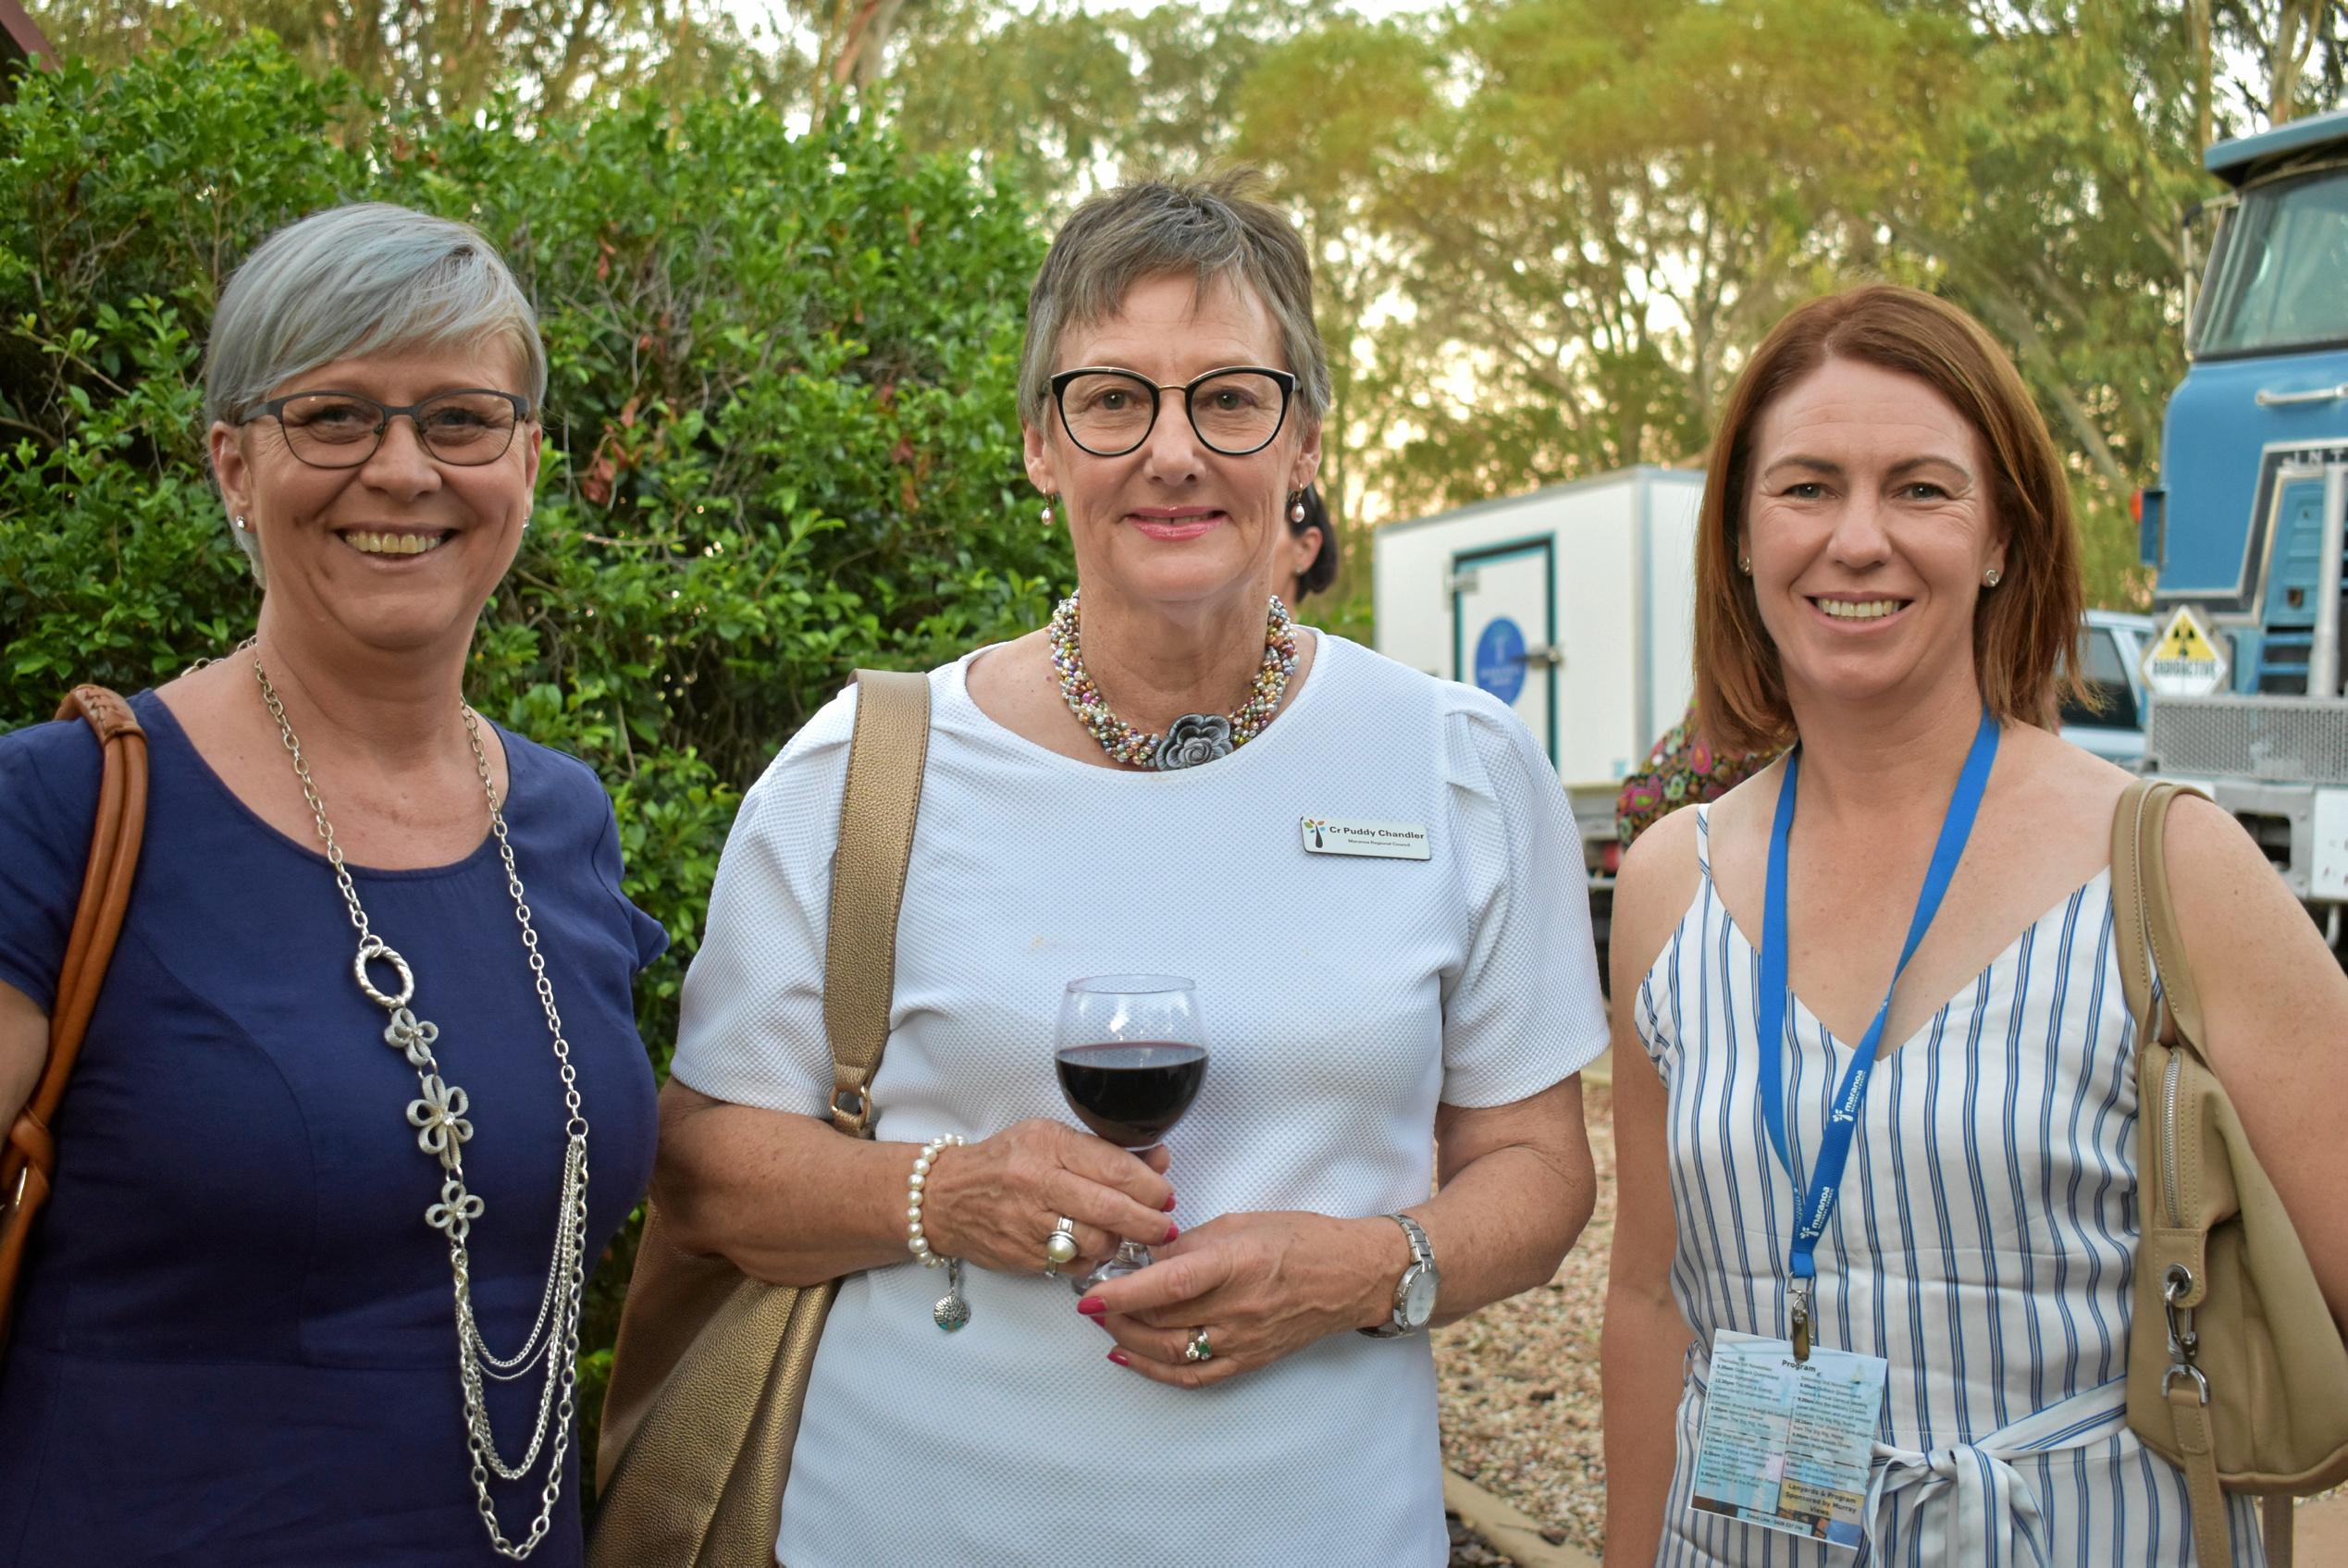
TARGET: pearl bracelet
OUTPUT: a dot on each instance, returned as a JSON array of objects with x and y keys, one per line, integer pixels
[{"x": 914, "y": 1241}]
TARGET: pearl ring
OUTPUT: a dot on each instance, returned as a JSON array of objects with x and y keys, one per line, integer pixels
[
  {"x": 1198, "y": 1349},
  {"x": 1061, "y": 1247}
]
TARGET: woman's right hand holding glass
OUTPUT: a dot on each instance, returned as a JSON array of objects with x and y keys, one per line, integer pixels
[{"x": 994, "y": 1202}]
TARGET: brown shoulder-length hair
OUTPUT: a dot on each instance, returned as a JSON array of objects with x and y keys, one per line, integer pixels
[{"x": 2025, "y": 630}]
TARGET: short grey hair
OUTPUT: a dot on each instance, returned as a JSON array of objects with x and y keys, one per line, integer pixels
[
  {"x": 369, "y": 278},
  {"x": 1215, "y": 229}
]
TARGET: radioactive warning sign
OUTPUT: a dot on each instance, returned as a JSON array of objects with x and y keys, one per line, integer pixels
[{"x": 2184, "y": 661}]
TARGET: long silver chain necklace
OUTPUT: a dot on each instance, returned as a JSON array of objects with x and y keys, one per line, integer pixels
[
  {"x": 442, "y": 1130},
  {"x": 1192, "y": 738}
]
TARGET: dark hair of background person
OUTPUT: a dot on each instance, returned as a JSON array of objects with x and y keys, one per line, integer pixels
[
  {"x": 2023, "y": 630},
  {"x": 1317, "y": 577}
]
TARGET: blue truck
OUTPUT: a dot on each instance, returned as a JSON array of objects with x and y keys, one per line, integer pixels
[{"x": 2245, "y": 528}]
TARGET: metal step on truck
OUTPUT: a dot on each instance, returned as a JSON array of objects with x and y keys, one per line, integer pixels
[{"x": 2247, "y": 667}]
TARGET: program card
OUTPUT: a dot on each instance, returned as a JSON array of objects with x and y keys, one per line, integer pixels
[{"x": 1786, "y": 1444}]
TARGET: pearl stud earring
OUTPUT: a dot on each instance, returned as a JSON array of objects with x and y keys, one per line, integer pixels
[{"x": 242, "y": 524}]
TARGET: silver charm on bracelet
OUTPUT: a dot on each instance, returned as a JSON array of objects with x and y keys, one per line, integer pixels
[{"x": 952, "y": 1311}]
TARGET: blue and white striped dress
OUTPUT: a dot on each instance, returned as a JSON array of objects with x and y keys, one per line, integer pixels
[{"x": 1981, "y": 1244}]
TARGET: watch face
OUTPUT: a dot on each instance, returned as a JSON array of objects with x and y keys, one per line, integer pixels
[{"x": 1419, "y": 1297}]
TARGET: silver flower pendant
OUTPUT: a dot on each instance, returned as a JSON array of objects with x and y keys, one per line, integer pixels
[
  {"x": 952, "y": 1311},
  {"x": 1194, "y": 738}
]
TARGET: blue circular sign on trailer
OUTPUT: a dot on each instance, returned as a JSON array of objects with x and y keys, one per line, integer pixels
[{"x": 1499, "y": 659}]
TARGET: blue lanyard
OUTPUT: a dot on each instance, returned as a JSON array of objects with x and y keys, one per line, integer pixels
[{"x": 1842, "y": 1118}]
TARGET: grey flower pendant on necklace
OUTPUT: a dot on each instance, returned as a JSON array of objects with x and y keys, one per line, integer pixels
[{"x": 1192, "y": 738}]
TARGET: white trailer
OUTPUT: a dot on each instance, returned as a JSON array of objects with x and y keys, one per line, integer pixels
[{"x": 1575, "y": 604}]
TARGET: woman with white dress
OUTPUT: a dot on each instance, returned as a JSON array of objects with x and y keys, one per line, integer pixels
[
  {"x": 1888, "y": 577},
  {"x": 1136, "y": 788}
]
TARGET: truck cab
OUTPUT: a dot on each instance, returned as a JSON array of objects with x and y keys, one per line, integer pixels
[{"x": 2245, "y": 529}]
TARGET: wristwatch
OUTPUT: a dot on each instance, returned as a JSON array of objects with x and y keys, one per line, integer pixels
[{"x": 1414, "y": 1293}]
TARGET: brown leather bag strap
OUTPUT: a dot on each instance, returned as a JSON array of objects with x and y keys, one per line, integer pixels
[
  {"x": 877, "y": 813},
  {"x": 28, "y": 1159}
]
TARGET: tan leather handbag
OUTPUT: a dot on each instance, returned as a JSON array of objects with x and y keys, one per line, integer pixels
[
  {"x": 2247, "y": 1390},
  {"x": 712, "y": 1367},
  {"x": 29, "y": 1157}
]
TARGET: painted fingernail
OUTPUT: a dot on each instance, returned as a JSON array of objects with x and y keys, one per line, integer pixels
[
  {"x": 1120, "y": 1358},
  {"x": 1171, "y": 1231},
  {"x": 1170, "y": 1204},
  {"x": 1091, "y": 1306},
  {"x": 1101, "y": 1324}
]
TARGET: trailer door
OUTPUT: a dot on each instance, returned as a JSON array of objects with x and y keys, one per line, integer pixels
[{"x": 1504, "y": 629}]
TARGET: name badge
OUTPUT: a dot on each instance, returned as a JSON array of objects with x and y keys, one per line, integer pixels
[
  {"x": 1787, "y": 1443},
  {"x": 1379, "y": 841}
]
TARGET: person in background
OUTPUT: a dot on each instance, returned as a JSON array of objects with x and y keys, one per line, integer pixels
[
  {"x": 1942, "y": 1203},
  {"x": 300, "y": 1299},
  {"x": 1132, "y": 789},
  {"x": 1313, "y": 545},
  {"x": 1683, "y": 769}
]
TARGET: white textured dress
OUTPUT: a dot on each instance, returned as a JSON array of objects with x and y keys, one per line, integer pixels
[
  {"x": 1982, "y": 1244},
  {"x": 1342, "y": 999}
]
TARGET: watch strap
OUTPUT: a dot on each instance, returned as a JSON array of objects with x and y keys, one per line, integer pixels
[{"x": 1422, "y": 1260}]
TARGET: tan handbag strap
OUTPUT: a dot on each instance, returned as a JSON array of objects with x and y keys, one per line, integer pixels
[
  {"x": 2150, "y": 947},
  {"x": 2276, "y": 1513},
  {"x": 2145, "y": 919},
  {"x": 28, "y": 1154},
  {"x": 877, "y": 814}
]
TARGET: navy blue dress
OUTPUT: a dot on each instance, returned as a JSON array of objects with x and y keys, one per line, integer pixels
[{"x": 235, "y": 1344}]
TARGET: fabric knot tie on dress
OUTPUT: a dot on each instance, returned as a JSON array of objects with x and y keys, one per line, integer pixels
[{"x": 1965, "y": 1503}]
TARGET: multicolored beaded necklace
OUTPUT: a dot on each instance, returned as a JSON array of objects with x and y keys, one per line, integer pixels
[{"x": 1192, "y": 738}]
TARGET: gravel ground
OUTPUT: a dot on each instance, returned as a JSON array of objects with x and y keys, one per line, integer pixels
[
  {"x": 1519, "y": 1381},
  {"x": 1469, "y": 1549}
]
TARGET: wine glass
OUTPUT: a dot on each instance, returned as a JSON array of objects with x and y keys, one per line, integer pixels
[{"x": 1131, "y": 1055}]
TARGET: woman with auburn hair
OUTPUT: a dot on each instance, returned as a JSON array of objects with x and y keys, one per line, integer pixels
[{"x": 1909, "y": 1171}]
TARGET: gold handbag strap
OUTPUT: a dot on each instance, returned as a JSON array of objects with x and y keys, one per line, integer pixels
[{"x": 877, "y": 813}]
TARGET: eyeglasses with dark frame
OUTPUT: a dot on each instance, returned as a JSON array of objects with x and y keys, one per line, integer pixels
[
  {"x": 467, "y": 427},
  {"x": 1114, "y": 410}
]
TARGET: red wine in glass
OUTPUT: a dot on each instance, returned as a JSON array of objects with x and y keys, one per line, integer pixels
[
  {"x": 1131, "y": 1094},
  {"x": 1131, "y": 1056}
]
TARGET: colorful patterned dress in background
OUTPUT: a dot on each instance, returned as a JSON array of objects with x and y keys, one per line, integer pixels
[{"x": 1683, "y": 769}]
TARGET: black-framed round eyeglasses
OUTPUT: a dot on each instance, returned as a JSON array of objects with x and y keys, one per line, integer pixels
[
  {"x": 469, "y": 426},
  {"x": 1236, "y": 410}
]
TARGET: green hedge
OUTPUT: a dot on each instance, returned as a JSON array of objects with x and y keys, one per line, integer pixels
[{"x": 782, "y": 437}]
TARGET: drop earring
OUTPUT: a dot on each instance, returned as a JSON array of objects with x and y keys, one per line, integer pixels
[
  {"x": 1047, "y": 510},
  {"x": 1296, "y": 507}
]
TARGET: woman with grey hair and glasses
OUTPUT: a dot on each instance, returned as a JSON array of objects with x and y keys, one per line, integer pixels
[
  {"x": 1155, "y": 781},
  {"x": 308, "y": 1289}
]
